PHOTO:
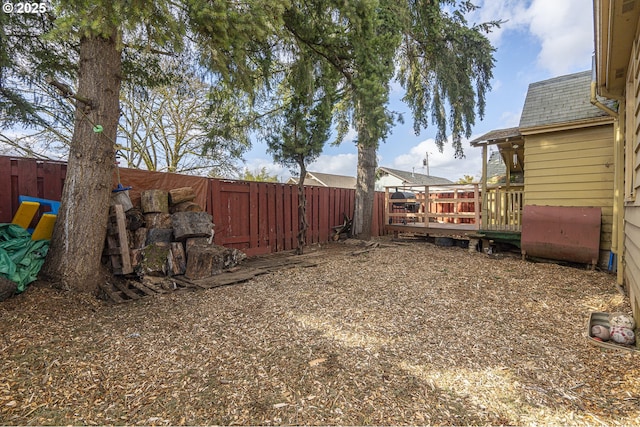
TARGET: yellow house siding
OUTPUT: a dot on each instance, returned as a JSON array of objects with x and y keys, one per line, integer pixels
[
  {"x": 573, "y": 168},
  {"x": 632, "y": 131},
  {"x": 631, "y": 260},
  {"x": 632, "y": 256}
]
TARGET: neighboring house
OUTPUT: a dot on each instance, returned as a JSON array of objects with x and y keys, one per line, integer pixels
[
  {"x": 387, "y": 177},
  {"x": 497, "y": 171},
  {"x": 617, "y": 69},
  {"x": 564, "y": 146},
  {"x": 318, "y": 179}
]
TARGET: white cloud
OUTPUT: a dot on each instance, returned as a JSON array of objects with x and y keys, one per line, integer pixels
[
  {"x": 442, "y": 164},
  {"x": 564, "y": 29},
  {"x": 256, "y": 164},
  {"x": 339, "y": 164},
  {"x": 510, "y": 119},
  {"x": 512, "y": 13}
]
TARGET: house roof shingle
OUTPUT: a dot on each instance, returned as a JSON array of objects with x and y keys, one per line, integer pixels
[
  {"x": 326, "y": 180},
  {"x": 495, "y": 165},
  {"x": 563, "y": 99},
  {"x": 497, "y": 135},
  {"x": 335, "y": 181},
  {"x": 416, "y": 178}
]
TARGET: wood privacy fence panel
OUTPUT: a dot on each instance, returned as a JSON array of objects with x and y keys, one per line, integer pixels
[
  {"x": 28, "y": 177},
  {"x": 255, "y": 217}
]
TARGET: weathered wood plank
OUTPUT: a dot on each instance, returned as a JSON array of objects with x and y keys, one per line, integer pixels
[
  {"x": 107, "y": 288},
  {"x": 125, "y": 290},
  {"x": 121, "y": 222},
  {"x": 146, "y": 290}
]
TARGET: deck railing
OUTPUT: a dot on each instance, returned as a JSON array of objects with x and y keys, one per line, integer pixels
[
  {"x": 433, "y": 205},
  {"x": 504, "y": 208}
]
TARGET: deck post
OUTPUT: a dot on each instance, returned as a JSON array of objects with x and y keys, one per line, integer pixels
[
  {"x": 456, "y": 220},
  {"x": 386, "y": 206},
  {"x": 476, "y": 205},
  {"x": 427, "y": 205},
  {"x": 483, "y": 218}
]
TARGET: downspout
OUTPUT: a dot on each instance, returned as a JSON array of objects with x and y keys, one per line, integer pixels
[
  {"x": 600, "y": 105},
  {"x": 617, "y": 237},
  {"x": 594, "y": 98}
]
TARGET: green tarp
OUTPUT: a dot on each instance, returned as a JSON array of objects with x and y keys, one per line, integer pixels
[{"x": 20, "y": 257}]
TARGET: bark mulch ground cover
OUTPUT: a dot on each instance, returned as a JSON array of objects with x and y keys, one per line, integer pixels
[{"x": 401, "y": 334}]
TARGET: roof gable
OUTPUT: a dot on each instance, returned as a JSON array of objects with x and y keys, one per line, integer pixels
[
  {"x": 336, "y": 181},
  {"x": 563, "y": 99},
  {"x": 498, "y": 135},
  {"x": 326, "y": 180},
  {"x": 416, "y": 178}
]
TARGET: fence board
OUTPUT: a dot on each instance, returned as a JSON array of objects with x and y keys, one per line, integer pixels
[
  {"x": 27, "y": 178},
  {"x": 263, "y": 217},
  {"x": 253, "y": 215},
  {"x": 215, "y": 210},
  {"x": 288, "y": 231},
  {"x": 295, "y": 223},
  {"x": 279, "y": 200},
  {"x": 315, "y": 214},
  {"x": 271, "y": 215},
  {"x": 52, "y": 177},
  {"x": 323, "y": 234},
  {"x": 6, "y": 203}
]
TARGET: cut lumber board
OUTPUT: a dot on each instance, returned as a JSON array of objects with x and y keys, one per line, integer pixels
[
  {"x": 154, "y": 287},
  {"x": 118, "y": 242},
  {"x": 142, "y": 287},
  {"x": 125, "y": 290},
  {"x": 121, "y": 221},
  {"x": 108, "y": 289}
]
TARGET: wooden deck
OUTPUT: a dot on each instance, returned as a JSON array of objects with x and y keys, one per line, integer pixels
[
  {"x": 434, "y": 229},
  {"x": 455, "y": 210}
]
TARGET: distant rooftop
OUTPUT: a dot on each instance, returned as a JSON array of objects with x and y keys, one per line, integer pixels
[
  {"x": 326, "y": 180},
  {"x": 416, "y": 178}
]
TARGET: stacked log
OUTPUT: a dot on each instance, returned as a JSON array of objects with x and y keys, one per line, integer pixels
[{"x": 170, "y": 235}]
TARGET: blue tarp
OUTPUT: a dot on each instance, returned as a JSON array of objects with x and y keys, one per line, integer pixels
[{"x": 20, "y": 257}]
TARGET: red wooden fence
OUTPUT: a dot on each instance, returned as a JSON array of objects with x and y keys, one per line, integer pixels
[{"x": 256, "y": 217}]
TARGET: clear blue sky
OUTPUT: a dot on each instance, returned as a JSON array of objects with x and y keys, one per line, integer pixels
[{"x": 540, "y": 39}]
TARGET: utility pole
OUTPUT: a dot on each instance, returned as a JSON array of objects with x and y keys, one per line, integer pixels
[{"x": 425, "y": 162}]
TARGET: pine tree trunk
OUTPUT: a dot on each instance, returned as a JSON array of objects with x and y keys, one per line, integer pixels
[
  {"x": 302, "y": 209},
  {"x": 365, "y": 191},
  {"x": 74, "y": 256}
]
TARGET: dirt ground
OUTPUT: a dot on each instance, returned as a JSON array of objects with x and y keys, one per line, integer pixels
[{"x": 404, "y": 334}]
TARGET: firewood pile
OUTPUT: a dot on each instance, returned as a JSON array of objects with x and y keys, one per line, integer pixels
[{"x": 168, "y": 235}]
